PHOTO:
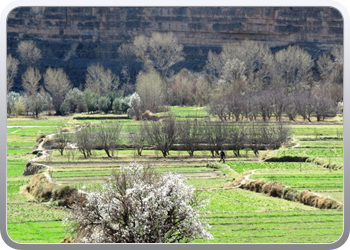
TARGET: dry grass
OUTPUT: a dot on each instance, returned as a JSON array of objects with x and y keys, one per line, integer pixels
[
  {"x": 274, "y": 189},
  {"x": 43, "y": 190},
  {"x": 149, "y": 116},
  {"x": 255, "y": 186},
  {"x": 308, "y": 198},
  {"x": 291, "y": 194}
]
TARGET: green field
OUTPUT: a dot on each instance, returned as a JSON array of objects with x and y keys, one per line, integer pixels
[{"x": 236, "y": 215}]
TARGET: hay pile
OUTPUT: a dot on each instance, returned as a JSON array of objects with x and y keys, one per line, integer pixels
[
  {"x": 43, "y": 190},
  {"x": 32, "y": 168},
  {"x": 149, "y": 116},
  {"x": 276, "y": 189}
]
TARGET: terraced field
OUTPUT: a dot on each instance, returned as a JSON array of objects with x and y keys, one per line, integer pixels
[{"x": 236, "y": 215}]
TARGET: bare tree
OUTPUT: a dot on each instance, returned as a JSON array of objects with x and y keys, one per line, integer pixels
[
  {"x": 325, "y": 65},
  {"x": 161, "y": 51},
  {"x": 141, "y": 50},
  {"x": 137, "y": 140},
  {"x": 202, "y": 90},
  {"x": 278, "y": 103},
  {"x": 267, "y": 136},
  {"x": 255, "y": 138},
  {"x": 127, "y": 57},
  {"x": 57, "y": 84},
  {"x": 293, "y": 67},
  {"x": 233, "y": 71},
  {"x": 107, "y": 136},
  {"x": 161, "y": 135},
  {"x": 85, "y": 139},
  {"x": 30, "y": 81},
  {"x": 11, "y": 70},
  {"x": 255, "y": 62},
  {"x": 304, "y": 105},
  {"x": 150, "y": 87},
  {"x": 100, "y": 80},
  {"x": 218, "y": 106},
  {"x": 291, "y": 106},
  {"x": 213, "y": 66},
  {"x": 28, "y": 52},
  {"x": 216, "y": 136},
  {"x": 330, "y": 65},
  {"x": 33, "y": 99},
  {"x": 235, "y": 105},
  {"x": 237, "y": 138},
  {"x": 62, "y": 138},
  {"x": 322, "y": 104},
  {"x": 264, "y": 103},
  {"x": 183, "y": 88},
  {"x": 190, "y": 135}
]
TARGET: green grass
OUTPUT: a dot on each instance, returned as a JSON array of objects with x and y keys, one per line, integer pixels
[
  {"x": 329, "y": 144},
  {"x": 243, "y": 200},
  {"x": 18, "y": 213},
  {"x": 185, "y": 112},
  {"x": 318, "y": 130},
  {"x": 237, "y": 216},
  {"x": 14, "y": 186},
  {"x": 36, "y": 232},
  {"x": 241, "y": 167},
  {"x": 270, "y": 220},
  {"x": 15, "y": 167},
  {"x": 41, "y": 121},
  {"x": 305, "y": 181}
]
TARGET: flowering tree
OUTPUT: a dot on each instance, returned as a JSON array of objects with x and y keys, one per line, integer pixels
[
  {"x": 135, "y": 106},
  {"x": 139, "y": 206}
]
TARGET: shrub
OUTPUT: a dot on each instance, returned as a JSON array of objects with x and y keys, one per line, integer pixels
[
  {"x": 103, "y": 104},
  {"x": 74, "y": 102}
]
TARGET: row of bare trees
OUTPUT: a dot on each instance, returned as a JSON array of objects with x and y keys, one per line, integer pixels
[
  {"x": 188, "y": 135},
  {"x": 194, "y": 135},
  {"x": 274, "y": 103}
]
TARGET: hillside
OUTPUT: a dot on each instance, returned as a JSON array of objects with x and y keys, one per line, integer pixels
[{"x": 94, "y": 34}]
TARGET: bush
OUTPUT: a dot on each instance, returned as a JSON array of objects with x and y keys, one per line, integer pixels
[
  {"x": 103, "y": 104},
  {"x": 74, "y": 102},
  {"x": 138, "y": 205}
]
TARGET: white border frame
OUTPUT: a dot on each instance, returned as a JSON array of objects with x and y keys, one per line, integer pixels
[{"x": 7, "y": 6}]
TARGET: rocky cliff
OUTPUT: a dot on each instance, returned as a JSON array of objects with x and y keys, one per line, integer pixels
[{"x": 94, "y": 34}]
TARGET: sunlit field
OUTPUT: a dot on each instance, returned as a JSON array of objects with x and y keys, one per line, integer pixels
[{"x": 236, "y": 215}]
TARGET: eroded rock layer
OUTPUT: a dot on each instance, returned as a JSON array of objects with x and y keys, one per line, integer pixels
[{"x": 94, "y": 34}]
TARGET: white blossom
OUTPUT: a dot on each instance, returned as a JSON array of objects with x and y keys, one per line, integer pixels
[{"x": 151, "y": 208}]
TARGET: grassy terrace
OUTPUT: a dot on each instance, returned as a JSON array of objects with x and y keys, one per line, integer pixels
[{"x": 236, "y": 216}]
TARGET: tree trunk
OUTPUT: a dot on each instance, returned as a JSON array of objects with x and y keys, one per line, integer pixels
[{"x": 107, "y": 152}]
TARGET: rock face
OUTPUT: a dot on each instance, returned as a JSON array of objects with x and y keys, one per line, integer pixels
[{"x": 94, "y": 34}]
